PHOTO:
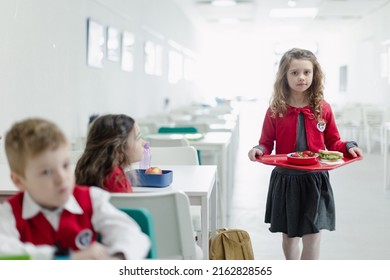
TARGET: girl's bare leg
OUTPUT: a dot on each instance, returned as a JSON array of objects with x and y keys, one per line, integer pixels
[
  {"x": 311, "y": 246},
  {"x": 291, "y": 247}
]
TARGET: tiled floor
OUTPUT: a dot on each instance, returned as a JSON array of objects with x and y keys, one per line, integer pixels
[{"x": 362, "y": 204}]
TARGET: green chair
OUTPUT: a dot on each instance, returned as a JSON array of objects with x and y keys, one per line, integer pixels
[
  {"x": 177, "y": 129},
  {"x": 171, "y": 219},
  {"x": 15, "y": 257},
  {"x": 145, "y": 220}
]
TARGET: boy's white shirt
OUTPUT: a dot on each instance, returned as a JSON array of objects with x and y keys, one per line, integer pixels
[{"x": 118, "y": 231}]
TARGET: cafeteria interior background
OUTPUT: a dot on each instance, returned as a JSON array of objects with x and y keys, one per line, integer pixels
[{"x": 187, "y": 52}]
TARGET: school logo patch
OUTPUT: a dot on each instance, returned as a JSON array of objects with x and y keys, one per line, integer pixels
[
  {"x": 84, "y": 238},
  {"x": 321, "y": 125}
]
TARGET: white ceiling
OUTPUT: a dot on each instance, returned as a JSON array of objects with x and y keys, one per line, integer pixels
[{"x": 332, "y": 14}]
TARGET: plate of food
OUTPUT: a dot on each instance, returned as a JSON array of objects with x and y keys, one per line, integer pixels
[
  {"x": 330, "y": 157},
  {"x": 302, "y": 158}
]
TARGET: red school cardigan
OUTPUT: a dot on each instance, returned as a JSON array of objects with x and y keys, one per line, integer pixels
[
  {"x": 282, "y": 131},
  {"x": 75, "y": 231},
  {"x": 117, "y": 181}
]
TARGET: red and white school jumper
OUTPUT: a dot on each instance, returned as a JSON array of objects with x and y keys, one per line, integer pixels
[{"x": 27, "y": 228}]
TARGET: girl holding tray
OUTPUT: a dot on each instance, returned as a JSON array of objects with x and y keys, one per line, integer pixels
[{"x": 300, "y": 203}]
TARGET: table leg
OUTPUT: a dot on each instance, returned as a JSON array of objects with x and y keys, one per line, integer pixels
[
  {"x": 213, "y": 210},
  {"x": 224, "y": 186},
  {"x": 385, "y": 150},
  {"x": 204, "y": 216}
]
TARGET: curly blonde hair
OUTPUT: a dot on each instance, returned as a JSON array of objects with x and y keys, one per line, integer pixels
[{"x": 314, "y": 94}]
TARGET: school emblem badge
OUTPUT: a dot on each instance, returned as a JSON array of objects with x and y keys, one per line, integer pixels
[
  {"x": 321, "y": 125},
  {"x": 84, "y": 238}
]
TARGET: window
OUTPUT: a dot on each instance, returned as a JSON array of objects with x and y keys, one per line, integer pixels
[
  {"x": 96, "y": 44},
  {"x": 113, "y": 47},
  {"x": 128, "y": 41},
  {"x": 153, "y": 58}
]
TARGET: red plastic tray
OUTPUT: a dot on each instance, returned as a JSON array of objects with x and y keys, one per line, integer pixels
[{"x": 281, "y": 160}]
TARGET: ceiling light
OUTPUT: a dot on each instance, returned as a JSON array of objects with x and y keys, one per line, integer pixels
[
  {"x": 291, "y": 3},
  {"x": 294, "y": 13},
  {"x": 223, "y": 3}
]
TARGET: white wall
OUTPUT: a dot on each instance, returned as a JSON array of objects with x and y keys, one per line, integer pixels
[
  {"x": 360, "y": 47},
  {"x": 43, "y": 61}
]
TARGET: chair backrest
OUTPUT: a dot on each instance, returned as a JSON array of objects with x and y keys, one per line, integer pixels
[
  {"x": 352, "y": 115},
  {"x": 172, "y": 220},
  {"x": 373, "y": 115},
  {"x": 159, "y": 142},
  {"x": 186, "y": 155},
  {"x": 209, "y": 119},
  {"x": 148, "y": 127},
  {"x": 201, "y": 127},
  {"x": 145, "y": 220}
]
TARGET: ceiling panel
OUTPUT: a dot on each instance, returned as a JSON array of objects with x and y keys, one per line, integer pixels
[
  {"x": 331, "y": 13},
  {"x": 243, "y": 10},
  {"x": 349, "y": 8}
]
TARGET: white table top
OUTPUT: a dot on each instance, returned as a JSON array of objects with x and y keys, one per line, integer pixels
[
  {"x": 208, "y": 139},
  {"x": 213, "y": 138},
  {"x": 193, "y": 180},
  {"x": 222, "y": 127}
]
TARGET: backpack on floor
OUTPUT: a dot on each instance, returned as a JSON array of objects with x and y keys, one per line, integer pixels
[{"x": 231, "y": 244}]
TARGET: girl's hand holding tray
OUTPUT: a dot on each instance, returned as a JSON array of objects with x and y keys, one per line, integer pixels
[{"x": 307, "y": 161}]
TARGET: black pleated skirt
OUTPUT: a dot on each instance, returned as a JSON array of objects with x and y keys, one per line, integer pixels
[{"x": 299, "y": 202}]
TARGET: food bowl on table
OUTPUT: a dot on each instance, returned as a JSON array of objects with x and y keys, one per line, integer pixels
[
  {"x": 302, "y": 158},
  {"x": 154, "y": 180}
]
